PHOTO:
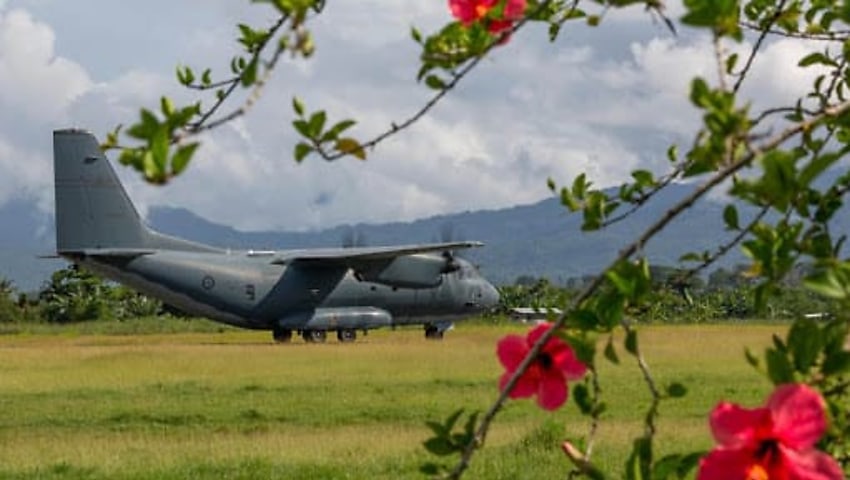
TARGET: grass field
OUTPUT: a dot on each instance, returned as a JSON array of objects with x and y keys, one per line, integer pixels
[{"x": 232, "y": 405}]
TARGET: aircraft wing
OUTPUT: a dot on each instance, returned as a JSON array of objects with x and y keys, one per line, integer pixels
[
  {"x": 110, "y": 252},
  {"x": 396, "y": 266},
  {"x": 363, "y": 255}
]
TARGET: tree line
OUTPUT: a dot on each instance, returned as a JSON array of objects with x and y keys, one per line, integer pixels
[
  {"x": 74, "y": 294},
  {"x": 726, "y": 294}
]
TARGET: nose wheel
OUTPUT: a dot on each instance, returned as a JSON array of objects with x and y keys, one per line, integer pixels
[
  {"x": 346, "y": 335},
  {"x": 314, "y": 336}
]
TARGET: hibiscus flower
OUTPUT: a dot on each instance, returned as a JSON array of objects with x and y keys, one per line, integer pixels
[
  {"x": 470, "y": 11},
  {"x": 774, "y": 442},
  {"x": 547, "y": 376}
]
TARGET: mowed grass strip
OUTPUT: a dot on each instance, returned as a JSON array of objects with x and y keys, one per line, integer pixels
[{"x": 231, "y": 404}]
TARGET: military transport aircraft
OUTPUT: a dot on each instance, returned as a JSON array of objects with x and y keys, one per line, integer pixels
[{"x": 309, "y": 291}]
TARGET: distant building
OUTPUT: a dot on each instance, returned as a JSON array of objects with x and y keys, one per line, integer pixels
[{"x": 533, "y": 314}]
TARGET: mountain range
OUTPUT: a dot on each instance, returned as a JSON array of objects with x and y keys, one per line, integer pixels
[{"x": 540, "y": 240}]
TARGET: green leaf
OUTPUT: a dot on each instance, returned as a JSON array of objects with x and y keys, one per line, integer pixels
[
  {"x": 611, "y": 352},
  {"x": 751, "y": 358},
  {"x": 569, "y": 201},
  {"x": 826, "y": 283},
  {"x": 439, "y": 446},
  {"x": 730, "y": 216},
  {"x": 643, "y": 177},
  {"x": 816, "y": 58},
  {"x": 435, "y": 82},
  {"x": 302, "y": 127},
  {"x": 779, "y": 369},
  {"x": 666, "y": 467},
  {"x": 301, "y": 151},
  {"x": 159, "y": 150},
  {"x": 730, "y": 63},
  {"x": 149, "y": 167},
  {"x": 249, "y": 74},
  {"x": 581, "y": 395},
  {"x": 583, "y": 345},
  {"x": 699, "y": 92},
  {"x": 804, "y": 343},
  {"x": 316, "y": 124},
  {"x": 837, "y": 363},
  {"x": 631, "y": 342},
  {"x": 415, "y": 35},
  {"x": 334, "y": 131},
  {"x": 181, "y": 158},
  {"x": 298, "y": 106},
  {"x": 438, "y": 428},
  {"x": 676, "y": 390}
]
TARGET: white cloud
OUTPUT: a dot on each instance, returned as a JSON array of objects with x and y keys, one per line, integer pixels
[
  {"x": 34, "y": 83},
  {"x": 604, "y": 100},
  {"x": 36, "y": 89}
]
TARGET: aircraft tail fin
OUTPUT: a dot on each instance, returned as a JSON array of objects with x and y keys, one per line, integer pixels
[{"x": 93, "y": 210}]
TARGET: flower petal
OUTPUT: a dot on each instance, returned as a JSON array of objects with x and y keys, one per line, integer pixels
[
  {"x": 734, "y": 426},
  {"x": 798, "y": 415},
  {"x": 565, "y": 360},
  {"x": 511, "y": 350},
  {"x": 552, "y": 391},
  {"x": 725, "y": 464},
  {"x": 808, "y": 465},
  {"x": 514, "y": 9},
  {"x": 525, "y": 387},
  {"x": 468, "y": 11},
  {"x": 537, "y": 332}
]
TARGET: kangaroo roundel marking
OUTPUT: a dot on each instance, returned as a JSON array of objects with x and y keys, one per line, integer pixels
[{"x": 208, "y": 282}]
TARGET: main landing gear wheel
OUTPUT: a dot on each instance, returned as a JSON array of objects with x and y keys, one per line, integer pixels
[
  {"x": 315, "y": 336},
  {"x": 282, "y": 335},
  {"x": 346, "y": 335},
  {"x": 433, "y": 333}
]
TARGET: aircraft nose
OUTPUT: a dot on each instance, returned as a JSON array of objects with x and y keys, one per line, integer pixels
[{"x": 490, "y": 296}]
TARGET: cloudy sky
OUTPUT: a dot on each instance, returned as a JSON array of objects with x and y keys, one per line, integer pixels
[{"x": 604, "y": 100}]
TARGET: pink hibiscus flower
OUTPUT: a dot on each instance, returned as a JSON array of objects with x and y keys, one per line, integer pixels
[
  {"x": 470, "y": 11},
  {"x": 548, "y": 374},
  {"x": 774, "y": 442}
]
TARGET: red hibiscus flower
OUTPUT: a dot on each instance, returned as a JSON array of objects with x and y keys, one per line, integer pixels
[
  {"x": 470, "y": 11},
  {"x": 774, "y": 442},
  {"x": 548, "y": 374}
]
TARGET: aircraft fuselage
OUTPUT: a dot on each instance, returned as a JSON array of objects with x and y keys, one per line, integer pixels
[{"x": 247, "y": 291}]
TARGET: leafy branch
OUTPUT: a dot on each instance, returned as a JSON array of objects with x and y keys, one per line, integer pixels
[{"x": 723, "y": 174}]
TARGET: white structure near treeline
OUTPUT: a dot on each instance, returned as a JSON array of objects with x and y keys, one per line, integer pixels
[{"x": 532, "y": 314}]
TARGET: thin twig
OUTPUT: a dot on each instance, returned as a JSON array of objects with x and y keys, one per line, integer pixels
[
  {"x": 834, "y": 36},
  {"x": 764, "y": 31},
  {"x": 644, "y": 198},
  {"x": 199, "y": 126},
  {"x": 456, "y": 78},
  {"x": 724, "y": 249}
]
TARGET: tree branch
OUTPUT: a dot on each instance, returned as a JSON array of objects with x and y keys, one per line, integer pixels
[{"x": 626, "y": 253}]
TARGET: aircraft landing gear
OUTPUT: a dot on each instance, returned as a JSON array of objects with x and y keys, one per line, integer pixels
[
  {"x": 314, "y": 336},
  {"x": 282, "y": 335},
  {"x": 433, "y": 333},
  {"x": 346, "y": 335}
]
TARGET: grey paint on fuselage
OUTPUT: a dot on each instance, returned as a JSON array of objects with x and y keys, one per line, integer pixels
[
  {"x": 320, "y": 289},
  {"x": 247, "y": 292}
]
